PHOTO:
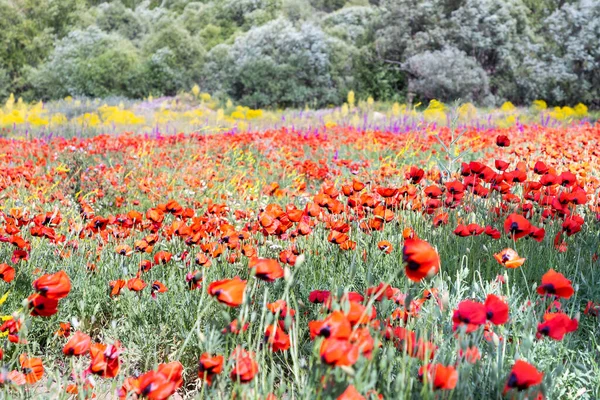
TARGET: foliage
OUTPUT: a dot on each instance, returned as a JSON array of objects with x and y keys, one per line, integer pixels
[
  {"x": 448, "y": 74},
  {"x": 528, "y": 49},
  {"x": 88, "y": 63},
  {"x": 279, "y": 64}
]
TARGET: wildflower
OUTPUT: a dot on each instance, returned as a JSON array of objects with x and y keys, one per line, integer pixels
[
  {"x": 442, "y": 377},
  {"x": 244, "y": 367},
  {"x": 53, "y": 286},
  {"x": 522, "y": 376},
  {"x": 228, "y": 291},
  {"x": 77, "y": 345},
  {"x": 421, "y": 259},
  {"x": 509, "y": 258},
  {"x": 556, "y": 284},
  {"x": 556, "y": 325},
  {"x": 209, "y": 366}
]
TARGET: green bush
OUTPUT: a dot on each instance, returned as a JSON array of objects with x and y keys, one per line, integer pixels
[
  {"x": 279, "y": 64},
  {"x": 87, "y": 63}
]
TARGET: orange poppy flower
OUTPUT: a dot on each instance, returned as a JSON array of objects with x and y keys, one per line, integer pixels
[
  {"x": 350, "y": 394},
  {"x": 116, "y": 286},
  {"x": 157, "y": 287},
  {"x": 442, "y": 377},
  {"x": 228, "y": 291},
  {"x": 509, "y": 258},
  {"x": 266, "y": 269},
  {"x": 7, "y": 273},
  {"x": 136, "y": 284},
  {"x": 162, "y": 257},
  {"x": 64, "y": 330},
  {"x": 77, "y": 345},
  {"x": 105, "y": 359},
  {"x": 153, "y": 385},
  {"x": 385, "y": 246},
  {"x": 32, "y": 368},
  {"x": 123, "y": 250}
]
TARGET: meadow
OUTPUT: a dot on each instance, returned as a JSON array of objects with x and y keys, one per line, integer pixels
[{"x": 188, "y": 248}]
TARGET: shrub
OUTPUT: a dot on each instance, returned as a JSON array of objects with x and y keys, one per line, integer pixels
[
  {"x": 279, "y": 64},
  {"x": 87, "y": 63},
  {"x": 446, "y": 75}
]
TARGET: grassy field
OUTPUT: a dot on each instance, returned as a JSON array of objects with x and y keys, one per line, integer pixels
[{"x": 369, "y": 242}]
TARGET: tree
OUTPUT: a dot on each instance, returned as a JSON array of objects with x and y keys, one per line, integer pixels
[
  {"x": 447, "y": 75},
  {"x": 279, "y": 64}
]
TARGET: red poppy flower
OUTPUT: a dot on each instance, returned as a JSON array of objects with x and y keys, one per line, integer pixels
[
  {"x": 53, "y": 286},
  {"x": 157, "y": 287},
  {"x": 517, "y": 226},
  {"x": 335, "y": 325},
  {"x": 556, "y": 284},
  {"x": 319, "y": 296},
  {"x": 228, "y": 291},
  {"x": 162, "y": 257},
  {"x": 234, "y": 328},
  {"x": 496, "y": 310},
  {"x": 470, "y": 313},
  {"x": 522, "y": 376},
  {"x": 244, "y": 367},
  {"x": 154, "y": 386},
  {"x": 209, "y": 366},
  {"x": 442, "y": 377},
  {"x": 540, "y": 168},
  {"x": 592, "y": 308},
  {"x": 501, "y": 165},
  {"x": 266, "y": 269},
  {"x": 105, "y": 359},
  {"x": 277, "y": 339},
  {"x": 556, "y": 325},
  {"x": 471, "y": 355},
  {"x": 194, "y": 280},
  {"x": 77, "y": 345},
  {"x": 502, "y": 141},
  {"x": 7, "y": 273},
  {"x": 42, "y": 306},
  {"x": 64, "y": 330},
  {"x": 421, "y": 259},
  {"x": 173, "y": 371},
  {"x": 338, "y": 352}
]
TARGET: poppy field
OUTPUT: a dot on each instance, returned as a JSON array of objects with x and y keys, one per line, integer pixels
[{"x": 340, "y": 261}]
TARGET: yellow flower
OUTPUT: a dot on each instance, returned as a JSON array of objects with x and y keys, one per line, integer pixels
[{"x": 351, "y": 98}]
